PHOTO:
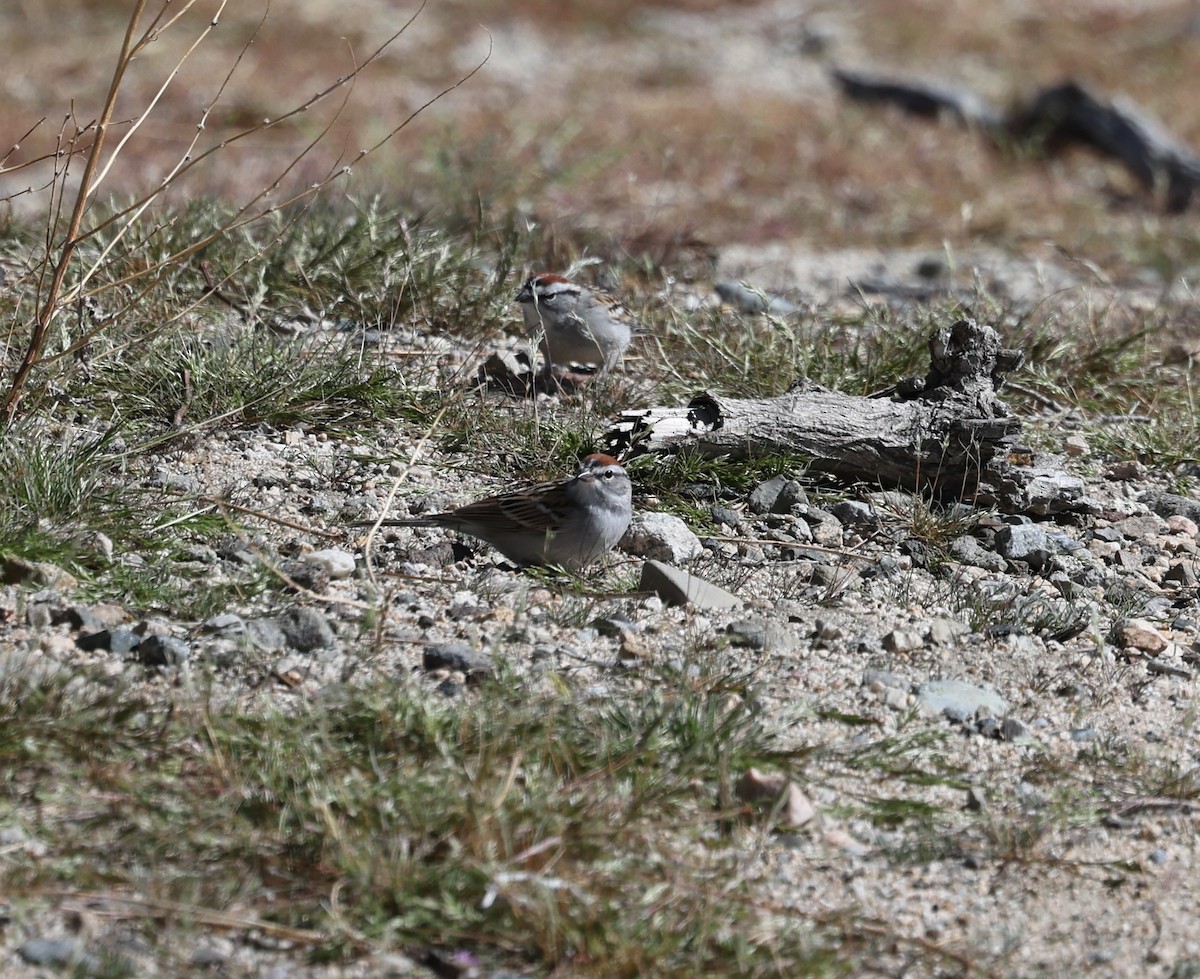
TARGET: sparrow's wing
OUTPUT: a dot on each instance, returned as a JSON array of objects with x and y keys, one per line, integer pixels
[{"x": 524, "y": 510}]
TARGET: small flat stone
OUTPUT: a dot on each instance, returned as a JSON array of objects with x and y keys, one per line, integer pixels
[
  {"x": 726, "y": 516},
  {"x": 855, "y": 513},
  {"x": 759, "y": 632},
  {"x": 336, "y": 563},
  {"x": 964, "y": 699},
  {"x": 677, "y": 587},
  {"x": 1141, "y": 634},
  {"x": 58, "y": 953},
  {"x": 944, "y": 632},
  {"x": 1179, "y": 524},
  {"x": 903, "y": 641}
]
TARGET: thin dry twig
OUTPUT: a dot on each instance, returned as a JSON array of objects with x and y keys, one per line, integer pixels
[
  {"x": 71, "y": 239},
  {"x": 92, "y": 902},
  {"x": 55, "y": 295}
]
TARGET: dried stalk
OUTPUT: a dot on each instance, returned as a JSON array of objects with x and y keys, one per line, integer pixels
[{"x": 54, "y": 296}]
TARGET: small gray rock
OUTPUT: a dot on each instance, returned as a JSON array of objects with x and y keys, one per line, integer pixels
[
  {"x": 1024, "y": 542},
  {"x": 458, "y": 656},
  {"x": 305, "y": 629},
  {"x": 58, "y": 953},
  {"x": 968, "y": 550},
  {"x": 903, "y": 641},
  {"x": 764, "y": 497},
  {"x": 266, "y": 634},
  {"x": 944, "y": 632},
  {"x": 964, "y": 699},
  {"x": 1171, "y": 505},
  {"x": 677, "y": 587},
  {"x": 726, "y": 516},
  {"x": 758, "y": 632},
  {"x": 1014, "y": 729},
  {"x": 855, "y": 513},
  {"x": 156, "y": 650},
  {"x": 662, "y": 537},
  {"x": 336, "y": 563}
]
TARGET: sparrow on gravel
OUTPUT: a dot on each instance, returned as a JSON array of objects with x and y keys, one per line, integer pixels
[{"x": 569, "y": 522}]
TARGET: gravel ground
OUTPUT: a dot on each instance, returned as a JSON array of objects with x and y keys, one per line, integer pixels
[
  {"x": 1067, "y": 640},
  {"x": 1071, "y": 643}
]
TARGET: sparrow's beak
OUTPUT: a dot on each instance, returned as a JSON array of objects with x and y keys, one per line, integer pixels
[{"x": 526, "y": 293}]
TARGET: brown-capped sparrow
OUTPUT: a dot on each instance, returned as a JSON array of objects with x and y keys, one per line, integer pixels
[
  {"x": 575, "y": 323},
  {"x": 570, "y": 521}
]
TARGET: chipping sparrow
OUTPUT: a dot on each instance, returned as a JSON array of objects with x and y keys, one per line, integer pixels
[
  {"x": 575, "y": 323},
  {"x": 569, "y": 521}
]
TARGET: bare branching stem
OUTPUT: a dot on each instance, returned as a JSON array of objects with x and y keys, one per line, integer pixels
[
  {"x": 50, "y": 302},
  {"x": 63, "y": 247}
]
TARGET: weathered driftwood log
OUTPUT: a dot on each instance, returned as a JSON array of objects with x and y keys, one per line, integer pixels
[
  {"x": 1052, "y": 118},
  {"x": 947, "y": 432},
  {"x": 920, "y": 97}
]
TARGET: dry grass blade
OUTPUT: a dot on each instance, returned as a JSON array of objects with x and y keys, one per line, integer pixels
[{"x": 61, "y": 250}]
